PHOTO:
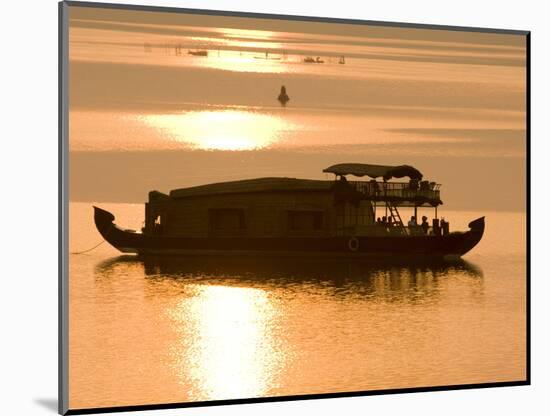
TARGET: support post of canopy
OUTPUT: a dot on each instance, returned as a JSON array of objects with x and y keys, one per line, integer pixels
[{"x": 386, "y": 199}]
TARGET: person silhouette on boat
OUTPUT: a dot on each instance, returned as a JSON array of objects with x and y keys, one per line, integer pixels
[
  {"x": 425, "y": 226},
  {"x": 283, "y": 97},
  {"x": 444, "y": 226}
]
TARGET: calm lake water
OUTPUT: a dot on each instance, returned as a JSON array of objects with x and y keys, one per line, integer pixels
[{"x": 192, "y": 329}]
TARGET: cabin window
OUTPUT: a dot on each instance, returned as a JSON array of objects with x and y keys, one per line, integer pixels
[
  {"x": 305, "y": 220},
  {"x": 227, "y": 220}
]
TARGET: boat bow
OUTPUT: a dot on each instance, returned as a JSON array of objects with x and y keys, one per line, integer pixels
[
  {"x": 102, "y": 218},
  {"x": 126, "y": 241}
]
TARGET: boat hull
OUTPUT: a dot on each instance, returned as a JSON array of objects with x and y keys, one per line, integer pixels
[{"x": 391, "y": 246}]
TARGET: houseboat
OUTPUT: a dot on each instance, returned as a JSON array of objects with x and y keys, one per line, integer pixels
[
  {"x": 297, "y": 217},
  {"x": 310, "y": 60}
]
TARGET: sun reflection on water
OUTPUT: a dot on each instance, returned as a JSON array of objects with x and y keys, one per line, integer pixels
[
  {"x": 219, "y": 130},
  {"x": 234, "y": 352}
]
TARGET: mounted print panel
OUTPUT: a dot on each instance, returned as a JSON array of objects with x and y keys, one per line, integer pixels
[{"x": 264, "y": 207}]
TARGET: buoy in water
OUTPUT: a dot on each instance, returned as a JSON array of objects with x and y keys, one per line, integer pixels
[{"x": 283, "y": 97}]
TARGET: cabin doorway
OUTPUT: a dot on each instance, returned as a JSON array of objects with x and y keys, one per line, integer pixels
[{"x": 354, "y": 219}]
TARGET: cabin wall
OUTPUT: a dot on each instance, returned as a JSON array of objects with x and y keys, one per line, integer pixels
[{"x": 265, "y": 214}]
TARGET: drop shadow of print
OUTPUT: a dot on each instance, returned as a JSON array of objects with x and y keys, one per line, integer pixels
[{"x": 47, "y": 403}]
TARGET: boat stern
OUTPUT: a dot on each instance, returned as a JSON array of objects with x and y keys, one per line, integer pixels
[
  {"x": 478, "y": 225},
  {"x": 473, "y": 236}
]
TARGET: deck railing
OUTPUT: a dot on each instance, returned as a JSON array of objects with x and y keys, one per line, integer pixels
[
  {"x": 383, "y": 230},
  {"x": 404, "y": 190}
]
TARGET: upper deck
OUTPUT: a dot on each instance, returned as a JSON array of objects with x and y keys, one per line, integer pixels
[
  {"x": 415, "y": 192},
  {"x": 404, "y": 194}
]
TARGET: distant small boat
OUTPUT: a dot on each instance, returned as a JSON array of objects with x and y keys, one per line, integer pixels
[
  {"x": 198, "y": 53},
  {"x": 342, "y": 60},
  {"x": 310, "y": 60}
]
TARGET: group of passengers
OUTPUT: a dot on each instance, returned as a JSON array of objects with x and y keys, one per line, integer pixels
[
  {"x": 385, "y": 221},
  {"x": 439, "y": 227},
  {"x": 424, "y": 225}
]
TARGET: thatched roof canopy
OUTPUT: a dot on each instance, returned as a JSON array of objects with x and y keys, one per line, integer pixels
[{"x": 374, "y": 171}]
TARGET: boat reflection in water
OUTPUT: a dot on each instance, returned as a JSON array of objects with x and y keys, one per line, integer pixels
[
  {"x": 227, "y": 327},
  {"x": 344, "y": 276}
]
